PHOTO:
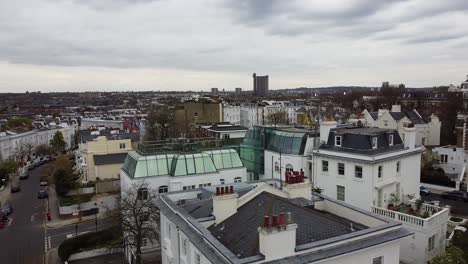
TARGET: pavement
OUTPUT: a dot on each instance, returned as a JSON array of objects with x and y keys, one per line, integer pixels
[{"x": 5, "y": 193}]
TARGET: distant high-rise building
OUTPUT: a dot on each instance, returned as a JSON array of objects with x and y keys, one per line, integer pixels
[
  {"x": 238, "y": 91},
  {"x": 214, "y": 91},
  {"x": 260, "y": 85}
]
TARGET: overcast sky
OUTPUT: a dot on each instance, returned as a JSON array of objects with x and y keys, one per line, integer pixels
[{"x": 106, "y": 45}]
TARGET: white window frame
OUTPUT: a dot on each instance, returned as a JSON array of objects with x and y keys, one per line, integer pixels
[
  {"x": 122, "y": 146},
  {"x": 390, "y": 140},
  {"x": 338, "y": 141},
  {"x": 380, "y": 172},
  {"x": 398, "y": 166},
  {"x": 378, "y": 260},
  {"x": 338, "y": 166},
  {"x": 431, "y": 243},
  {"x": 356, "y": 172},
  {"x": 340, "y": 193},
  {"x": 163, "y": 189},
  {"x": 237, "y": 179},
  {"x": 142, "y": 194},
  {"x": 325, "y": 166},
  {"x": 374, "y": 142}
]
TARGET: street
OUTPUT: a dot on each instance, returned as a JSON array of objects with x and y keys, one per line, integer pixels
[
  {"x": 26, "y": 239},
  {"x": 23, "y": 241},
  {"x": 458, "y": 208}
]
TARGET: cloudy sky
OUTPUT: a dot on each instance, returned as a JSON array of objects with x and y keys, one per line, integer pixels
[{"x": 85, "y": 45}]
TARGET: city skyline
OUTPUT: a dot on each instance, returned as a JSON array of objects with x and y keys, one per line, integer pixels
[{"x": 157, "y": 45}]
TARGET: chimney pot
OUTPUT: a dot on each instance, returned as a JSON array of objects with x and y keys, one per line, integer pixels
[
  {"x": 281, "y": 219},
  {"x": 226, "y": 189},
  {"x": 275, "y": 220},
  {"x": 231, "y": 189},
  {"x": 222, "y": 190},
  {"x": 266, "y": 221},
  {"x": 217, "y": 191},
  {"x": 289, "y": 218}
]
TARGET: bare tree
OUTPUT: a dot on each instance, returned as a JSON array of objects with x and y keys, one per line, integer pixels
[
  {"x": 280, "y": 117},
  {"x": 158, "y": 123},
  {"x": 139, "y": 217},
  {"x": 44, "y": 150}
]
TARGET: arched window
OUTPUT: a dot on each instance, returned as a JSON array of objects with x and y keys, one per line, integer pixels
[
  {"x": 163, "y": 189},
  {"x": 276, "y": 166},
  {"x": 289, "y": 168},
  {"x": 237, "y": 179}
]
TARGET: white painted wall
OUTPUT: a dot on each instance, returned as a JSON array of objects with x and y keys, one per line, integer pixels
[
  {"x": 364, "y": 193},
  {"x": 298, "y": 162}
]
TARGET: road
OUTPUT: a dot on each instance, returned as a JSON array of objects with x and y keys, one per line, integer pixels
[
  {"x": 458, "y": 208},
  {"x": 26, "y": 240},
  {"x": 23, "y": 241}
]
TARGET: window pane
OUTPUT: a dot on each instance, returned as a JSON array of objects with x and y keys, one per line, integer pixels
[
  {"x": 190, "y": 164},
  {"x": 141, "y": 168},
  {"x": 227, "y": 160},
  {"x": 208, "y": 163},
  {"x": 236, "y": 162},
  {"x": 162, "y": 165},
  {"x": 181, "y": 168},
  {"x": 218, "y": 160},
  {"x": 199, "y": 166}
]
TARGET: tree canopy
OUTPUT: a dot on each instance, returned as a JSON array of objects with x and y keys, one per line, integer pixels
[{"x": 58, "y": 142}]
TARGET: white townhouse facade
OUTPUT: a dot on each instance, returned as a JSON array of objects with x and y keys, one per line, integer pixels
[
  {"x": 263, "y": 222},
  {"x": 427, "y": 130},
  {"x": 373, "y": 169},
  {"x": 10, "y": 142}
]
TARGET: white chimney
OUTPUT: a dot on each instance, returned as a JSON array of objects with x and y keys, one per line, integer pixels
[
  {"x": 396, "y": 108},
  {"x": 325, "y": 127},
  {"x": 277, "y": 239},
  {"x": 224, "y": 203},
  {"x": 409, "y": 137}
]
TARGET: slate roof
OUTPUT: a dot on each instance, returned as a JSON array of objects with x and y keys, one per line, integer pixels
[
  {"x": 107, "y": 159},
  {"x": 227, "y": 128},
  {"x": 85, "y": 135},
  {"x": 240, "y": 235},
  {"x": 359, "y": 140},
  {"x": 374, "y": 115}
]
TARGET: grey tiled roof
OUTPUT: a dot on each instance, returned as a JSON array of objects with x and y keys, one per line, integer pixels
[
  {"x": 359, "y": 140},
  {"x": 239, "y": 232},
  {"x": 106, "y": 159}
]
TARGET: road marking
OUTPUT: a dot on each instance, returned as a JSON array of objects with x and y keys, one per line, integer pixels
[
  {"x": 49, "y": 243},
  {"x": 73, "y": 234}
]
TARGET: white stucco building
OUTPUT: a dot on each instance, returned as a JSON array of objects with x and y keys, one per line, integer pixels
[
  {"x": 373, "y": 169},
  {"x": 10, "y": 142},
  {"x": 168, "y": 172},
  {"x": 427, "y": 131},
  {"x": 261, "y": 222}
]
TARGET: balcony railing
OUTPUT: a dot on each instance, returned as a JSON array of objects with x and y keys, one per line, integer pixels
[{"x": 437, "y": 215}]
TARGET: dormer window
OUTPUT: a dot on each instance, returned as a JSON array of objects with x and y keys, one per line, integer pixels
[
  {"x": 374, "y": 142},
  {"x": 338, "y": 141},
  {"x": 390, "y": 140}
]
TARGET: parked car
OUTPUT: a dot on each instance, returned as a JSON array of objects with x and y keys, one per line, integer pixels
[
  {"x": 43, "y": 183},
  {"x": 424, "y": 191},
  {"x": 455, "y": 195},
  {"x": 7, "y": 209},
  {"x": 24, "y": 176},
  {"x": 42, "y": 194},
  {"x": 15, "y": 185}
]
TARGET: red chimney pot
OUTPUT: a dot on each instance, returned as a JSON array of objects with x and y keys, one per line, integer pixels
[
  {"x": 217, "y": 190},
  {"x": 266, "y": 221},
  {"x": 221, "y": 190},
  {"x": 281, "y": 218},
  {"x": 226, "y": 189},
  {"x": 275, "y": 220},
  {"x": 231, "y": 189}
]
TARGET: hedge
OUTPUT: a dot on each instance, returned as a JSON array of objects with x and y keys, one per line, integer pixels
[{"x": 89, "y": 241}]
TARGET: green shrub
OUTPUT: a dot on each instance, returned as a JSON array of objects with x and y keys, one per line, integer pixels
[
  {"x": 89, "y": 241},
  {"x": 76, "y": 199},
  {"x": 455, "y": 219}
]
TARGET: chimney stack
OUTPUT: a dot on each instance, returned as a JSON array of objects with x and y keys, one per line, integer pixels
[
  {"x": 409, "y": 137},
  {"x": 278, "y": 233},
  {"x": 325, "y": 127},
  {"x": 224, "y": 203}
]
